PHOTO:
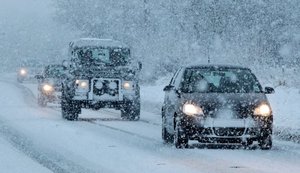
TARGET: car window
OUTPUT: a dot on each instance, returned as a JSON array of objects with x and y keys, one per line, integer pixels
[
  {"x": 221, "y": 81},
  {"x": 54, "y": 71},
  {"x": 173, "y": 78},
  {"x": 178, "y": 79}
]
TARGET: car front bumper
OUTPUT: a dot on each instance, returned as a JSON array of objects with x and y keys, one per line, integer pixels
[
  {"x": 52, "y": 96},
  {"x": 210, "y": 130}
]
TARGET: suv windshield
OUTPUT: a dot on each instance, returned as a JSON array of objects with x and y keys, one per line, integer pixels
[
  {"x": 114, "y": 56},
  {"x": 220, "y": 81}
]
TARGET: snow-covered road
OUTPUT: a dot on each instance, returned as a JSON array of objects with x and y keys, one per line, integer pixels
[{"x": 39, "y": 140}]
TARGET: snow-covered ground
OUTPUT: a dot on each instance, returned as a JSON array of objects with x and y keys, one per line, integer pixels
[
  {"x": 13, "y": 160},
  {"x": 39, "y": 140}
]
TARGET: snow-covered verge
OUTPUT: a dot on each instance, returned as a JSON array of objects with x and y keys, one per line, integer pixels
[
  {"x": 12, "y": 160},
  {"x": 285, "y": 104}
]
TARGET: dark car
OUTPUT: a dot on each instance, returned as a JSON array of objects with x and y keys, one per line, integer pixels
[
  {"x": 216, "y": 104},
  {"x": 49, "y": 84}
]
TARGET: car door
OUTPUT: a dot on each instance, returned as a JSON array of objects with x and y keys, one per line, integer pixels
[{"x": 171, "y": 100}]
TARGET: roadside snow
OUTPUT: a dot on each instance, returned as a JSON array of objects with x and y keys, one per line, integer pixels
[
  {"x": 14, "y": 161},
  {"x": 285, "y": 104}
]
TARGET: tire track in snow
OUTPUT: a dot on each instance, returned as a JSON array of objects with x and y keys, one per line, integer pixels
[{"x": 88, "y": 120}]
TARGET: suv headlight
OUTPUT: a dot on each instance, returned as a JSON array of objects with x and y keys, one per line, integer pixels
[
  {"x": 47, "y": 88},
  {"x": 128, "y": 85},
  {"x": 82, "y": 85},
  {"x": 23, "y": 72},
  {"x": 263, "y": 110},
  {"x": 190, "y": 109}
]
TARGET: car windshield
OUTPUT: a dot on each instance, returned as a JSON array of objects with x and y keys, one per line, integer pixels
[
  {"x": 54, "y": 71},
  {"x": 220, "y": 81},
  {"x": 114, "y": 57}
]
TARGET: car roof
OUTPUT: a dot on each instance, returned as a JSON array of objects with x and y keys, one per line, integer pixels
[
  {"x": 54, "y": 65},
  {"x": 96, "y": 42},
  {"x": 216, "y": 66}
]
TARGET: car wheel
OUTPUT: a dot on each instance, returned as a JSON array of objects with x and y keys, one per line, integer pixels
[
  {"x": 20, "y": 80},
  {"x": 131, "y": 111},
  {"x": 180, "y": 137},
  {"x": 265, "y": 142},
  {"x": 265, "y": 139},
  {"x": 69, "y": 109},
  {"x": 42, "y": 101},
  {"x": 166, "y": 136}
]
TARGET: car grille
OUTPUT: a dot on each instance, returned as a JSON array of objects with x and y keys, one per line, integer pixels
[
  {"x": 106, "y": 89},
  {"x": 229, "y": 131}
]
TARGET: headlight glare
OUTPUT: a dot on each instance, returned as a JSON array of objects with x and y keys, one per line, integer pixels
[
  {"x": 47, "y": 88},
  {"x": 82, "y": 84},
  {"x": 128, "y": 85},
  {"x": 23, "y": 72},
  {"x": 263, "y": 110},
  {"x": 190, "y": 109}
]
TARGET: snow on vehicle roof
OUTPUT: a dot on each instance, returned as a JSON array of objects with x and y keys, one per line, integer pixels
[
  {"x": 96, "y": 42},
  {"x": 218, "y": 66}
]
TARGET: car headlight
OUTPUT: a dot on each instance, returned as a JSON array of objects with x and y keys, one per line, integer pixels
[
  {"x": 263, "y": 110},
  {"x": 23, "y": 72},
  {"x": 190, "y": 109},
  {"x": 47, "y": 88},
  {"x": 128, "y": 85},
  {"x": 82, "y": 85}
]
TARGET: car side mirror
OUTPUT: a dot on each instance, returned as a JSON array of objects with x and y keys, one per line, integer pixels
[
  {"x": 66, "y": 64},
  {"x": 269, "y": 90},
  {"x": 39, "y": 77},
  {"x": 168, "y": 88},
  {"x": 140, "y": 65}
]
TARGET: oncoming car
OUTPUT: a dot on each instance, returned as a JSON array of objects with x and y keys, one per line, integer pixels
[
  {"x": 216, "y": 104},
  {"x": 49, "y": 87},
  {"x": 28, "y": 69}
]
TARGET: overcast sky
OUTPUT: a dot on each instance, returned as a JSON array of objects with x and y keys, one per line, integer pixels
[{"x": 28, "y": 31}]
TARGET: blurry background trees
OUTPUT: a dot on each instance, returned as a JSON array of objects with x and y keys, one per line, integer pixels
[{"x": 166, "y": 34}]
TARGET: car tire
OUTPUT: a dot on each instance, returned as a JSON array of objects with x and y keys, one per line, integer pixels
[
  {"x": 20, "y": 80},
  {"x": 42, "y": 101},
  {"x": 131, "y": 111},
  {"x": 265, "y": 143},
  {"x": 180, "y": 137},
  {"x": 166, "y": 136},
  {"x": 69, "y": 108},
  {"x": 265, "y": 139}
]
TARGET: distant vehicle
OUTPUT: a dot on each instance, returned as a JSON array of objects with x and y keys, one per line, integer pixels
[
  {"x": 28, "y": 69},
  {"x": 216, "y": 104},
  {"x": 49, "y": 84},
  {"x": 102, "y": 73}
]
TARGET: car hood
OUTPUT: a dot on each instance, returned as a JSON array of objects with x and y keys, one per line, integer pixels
[
  {"x": 238, "y": 105},
  {"x": 55, "y": 82}
]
